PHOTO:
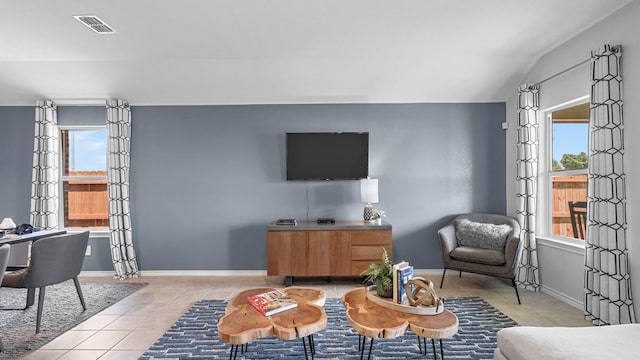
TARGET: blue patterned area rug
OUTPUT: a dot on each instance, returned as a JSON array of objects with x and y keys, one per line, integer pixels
[{"x": 195, "y": 336}]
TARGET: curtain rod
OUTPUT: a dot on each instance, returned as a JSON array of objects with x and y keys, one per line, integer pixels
[
  {"x": 614, "y": 48},
  {"x": 562, "y": 72}
]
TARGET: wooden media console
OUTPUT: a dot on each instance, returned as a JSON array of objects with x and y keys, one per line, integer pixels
[{"x": 345, "y": 248}]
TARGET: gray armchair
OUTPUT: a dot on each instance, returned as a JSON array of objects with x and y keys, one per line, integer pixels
[
  {"x": 53, "y": 260},
  {"x": 485, "y": 244}
]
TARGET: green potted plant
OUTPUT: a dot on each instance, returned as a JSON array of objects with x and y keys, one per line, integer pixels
[{"x": 381, "y": 276}]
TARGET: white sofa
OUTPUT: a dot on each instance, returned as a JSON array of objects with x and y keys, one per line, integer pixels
[{"x": 593, "y": 342}]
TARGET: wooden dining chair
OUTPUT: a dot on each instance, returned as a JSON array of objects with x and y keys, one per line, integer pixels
[
  {"x": 54, "y": 260},
  {"x": 578, "y": 212}
]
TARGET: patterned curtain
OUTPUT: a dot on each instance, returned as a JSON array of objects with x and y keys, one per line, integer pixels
[
  {"x": 526, "y": 182},
  {"x": 118, "y": 153},
  {"x": 607, "y": 279},
  {"x": 46, "y": 172}
]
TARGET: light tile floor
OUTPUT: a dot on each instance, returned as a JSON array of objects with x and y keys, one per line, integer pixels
[{"x": 126, "y": 329}]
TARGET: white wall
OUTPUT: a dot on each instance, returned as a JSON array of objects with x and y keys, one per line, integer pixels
[{"x": 621, "y": 28}]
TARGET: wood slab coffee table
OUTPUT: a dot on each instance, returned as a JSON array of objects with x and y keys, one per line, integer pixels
[
  {"x": 377, "y": 322},
  {"x": 242, "y": 323}
]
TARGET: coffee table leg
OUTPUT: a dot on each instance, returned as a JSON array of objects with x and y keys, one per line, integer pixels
[
  {"x": 362, "y": 349},
  {"x": 313, "y": 345},
  {"x": 304, "y": 345},
  {"x": 433, "y": 345},
  {"x": 420, "y": 345},
  {"x": 441, "y": 351},
  {"x": 233, "y": 354}
]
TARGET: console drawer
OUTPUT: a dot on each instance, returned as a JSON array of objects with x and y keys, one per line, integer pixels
[
  {"x": 368, "y": 237},
  {"x": 371, "y": 253}
]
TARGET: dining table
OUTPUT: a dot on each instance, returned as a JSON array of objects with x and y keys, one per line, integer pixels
[{"x": 13, "y": 239}]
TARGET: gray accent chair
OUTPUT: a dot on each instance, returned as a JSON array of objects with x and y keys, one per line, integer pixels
[
  {"x": 4, "y": 259},
  {"x": 54, "y": 260},
  {"x": 501, "y": 264}
]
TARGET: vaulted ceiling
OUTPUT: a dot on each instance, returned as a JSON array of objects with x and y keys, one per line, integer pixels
[{"x": 185, "y": 52}]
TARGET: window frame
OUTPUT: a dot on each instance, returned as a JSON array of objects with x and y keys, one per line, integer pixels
[
  {"x": 93, "y": 231},
  {"x": 546, "y": 174}
]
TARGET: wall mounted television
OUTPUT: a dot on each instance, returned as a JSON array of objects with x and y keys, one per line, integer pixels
[{"x": 327, "y": 156}]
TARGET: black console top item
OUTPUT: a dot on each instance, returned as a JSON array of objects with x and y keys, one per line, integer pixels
[
  {"x": 286, "y": 222},
  {"x": 326, "y": 221}
]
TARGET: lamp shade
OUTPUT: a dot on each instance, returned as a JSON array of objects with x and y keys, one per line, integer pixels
[
  {"x": 369, "y": 190},
  {"x": 7, "y": 224}
]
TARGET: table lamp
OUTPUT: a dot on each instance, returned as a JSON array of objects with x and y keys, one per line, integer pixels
[{"x": 368, "y": 195}]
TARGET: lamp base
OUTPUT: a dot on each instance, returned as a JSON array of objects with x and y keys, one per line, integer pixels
[{"x": 368, "y": 213}]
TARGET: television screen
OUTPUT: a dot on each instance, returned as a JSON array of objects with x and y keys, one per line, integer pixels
[{"x": 327, "y": 156}]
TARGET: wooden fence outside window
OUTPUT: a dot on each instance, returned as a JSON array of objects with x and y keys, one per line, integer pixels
[
  {"x": 566, "y": 189},
  {"x": 86, "y": 201}
]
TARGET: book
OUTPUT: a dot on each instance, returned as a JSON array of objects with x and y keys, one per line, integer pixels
[
  {"x": 394, "y": 272},
  {"x": 403, "y": 276},
  {"x": 271, "y": 302}
]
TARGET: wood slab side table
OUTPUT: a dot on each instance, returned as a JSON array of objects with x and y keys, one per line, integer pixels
[
  {"x": 377, "y": 322},
  {"x": 242, "y": 323}
]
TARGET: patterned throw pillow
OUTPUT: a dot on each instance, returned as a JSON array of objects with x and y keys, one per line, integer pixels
[{"x": 482, "y": 235}]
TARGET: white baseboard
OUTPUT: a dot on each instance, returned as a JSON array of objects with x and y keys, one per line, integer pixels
[
  {"x": 97, "y": 273},
  {"x": 203, "y": 273},
  {"x": 433, "y": 272},
  {"x": 562, "y": 297},
  {"x": 181, "y": 273}
]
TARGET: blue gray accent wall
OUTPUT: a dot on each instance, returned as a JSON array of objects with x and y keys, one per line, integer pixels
[
  {"x": 17, "y": 126},
  {"x": 206, "y": 180}
]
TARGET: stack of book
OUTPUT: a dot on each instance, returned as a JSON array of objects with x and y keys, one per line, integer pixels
[{"x": 402, "y": 273}]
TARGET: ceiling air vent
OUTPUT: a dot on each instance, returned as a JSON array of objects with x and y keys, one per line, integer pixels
[{"x": 94, "y": 23}]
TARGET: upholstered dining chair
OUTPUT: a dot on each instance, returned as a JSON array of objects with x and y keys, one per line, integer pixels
[
  {"x": 4, "y": 259},
  {"x": 54, "y": 260},
  {"x": 487, "y": 244}
]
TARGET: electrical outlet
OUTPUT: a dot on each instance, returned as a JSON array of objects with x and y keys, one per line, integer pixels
[{"x": 88, "y": 252}]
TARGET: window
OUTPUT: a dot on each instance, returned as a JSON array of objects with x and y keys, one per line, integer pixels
[
  {"x": 84, "y": 177},
  {"x": 567, "y": 173}
]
